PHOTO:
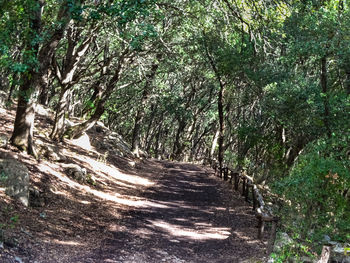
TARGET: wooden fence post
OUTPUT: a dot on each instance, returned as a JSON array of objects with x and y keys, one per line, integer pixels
[
  {"x": 243, "y": 189},
  {"x": 261, "y": 226},
  {"x": 272, "y": 238},
  {"x": 326, "y": 253},
  {"x": 246, "y": 194},
  {"x": 225, "y": 173},
  {"x": 236, "y": 181},
  {"x": 254, "y": 198}
]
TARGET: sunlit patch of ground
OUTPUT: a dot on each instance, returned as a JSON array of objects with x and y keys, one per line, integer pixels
[{"x": 204, "y": 233}]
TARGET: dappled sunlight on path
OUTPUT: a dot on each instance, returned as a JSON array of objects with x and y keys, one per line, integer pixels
[{"x": 186, "y": 216}]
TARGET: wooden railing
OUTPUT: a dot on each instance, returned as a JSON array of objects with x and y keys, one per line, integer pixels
[{"x": 245, "y": 184}]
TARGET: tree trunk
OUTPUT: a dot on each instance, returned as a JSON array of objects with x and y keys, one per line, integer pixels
[
  {"x": 214, "y": 143},
  {"x": 221, "y": 125},
  {"x": 59, "y": 124},
  {"x": 156, "y": 145},
  {"x": 177, "y": 148},
  {"x": 93, "y": 99},
  {"x": 141, "y": 110},
  {"x": 45, "y": 89},
  {"x": 22, "y": 136},
  {"x": 76, "y": 131}
]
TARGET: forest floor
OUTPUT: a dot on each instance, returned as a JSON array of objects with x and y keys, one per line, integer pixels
[{"x": 136, "y": 211}]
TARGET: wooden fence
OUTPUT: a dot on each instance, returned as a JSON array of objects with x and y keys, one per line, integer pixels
[{"x": 243, "y": 183}]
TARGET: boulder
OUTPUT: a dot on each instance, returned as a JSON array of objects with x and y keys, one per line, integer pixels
[
  {"x": 282, "y": 240},
  {"x": 100, "y": 127},
  {"x": 50, "y": 152},
  {"x": 76, "y": 172},
  {"x": 113, "y": 143},
  {"x": 43, "y": 111},
  {"x": 36, "y": 198},
  {"x": 15, "y": 177},
  {"x": 83, "y": 142},
  {"x": 340, "y": 253}
]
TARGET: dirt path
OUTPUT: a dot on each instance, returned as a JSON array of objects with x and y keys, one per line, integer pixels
[
  {"x": 135, "y": 211},
  {"x": 188, "y": 216}
]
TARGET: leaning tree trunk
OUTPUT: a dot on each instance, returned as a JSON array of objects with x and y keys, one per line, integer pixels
[
  {"x": 22, "y": 136},
  {"x": 59, "y": 124},
  {"x": 78, "y": 130}
]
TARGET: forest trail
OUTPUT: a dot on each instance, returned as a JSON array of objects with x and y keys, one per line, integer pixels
[
  {"x": 189, "y": 216},
  {"x": 136, "y": 211}
]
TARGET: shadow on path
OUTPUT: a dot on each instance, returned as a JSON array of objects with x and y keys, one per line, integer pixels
[{"x": 188, "y": 216}]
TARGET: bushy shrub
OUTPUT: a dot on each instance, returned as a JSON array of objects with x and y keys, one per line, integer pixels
[{"x": 317, "y": 192}]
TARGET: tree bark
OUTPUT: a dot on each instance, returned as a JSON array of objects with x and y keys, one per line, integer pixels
[
  {"x": 59, "y": 124},
  {"x": 22, "y": 136},
  {"x": 78, "y": 130},
  {"x": 220, "y": 105},
  {"x": 141, "y": 110},
  {"x": 45, "y": 89}
]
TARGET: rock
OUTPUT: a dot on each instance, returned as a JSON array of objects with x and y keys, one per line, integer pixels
[
  {"x": 340, "y": 253},
  {"x": 326, "y": 239},
  {"x": 100, "y": 127},
  {"x": 36, "y": 198},
  {"x": 76, "y": 172},
  {"x": 42, "y": 215},
  {"x": 15, "y": 176},
  {"x": 3, "y": 141},
  {"x": 18, "y": 259},
  {"x": 83, "y": 142},
  {"x": 132, "y": 163},
  {"x": 282, "y": 240},
  {"x": 43, "y": 111},
  {"x": 51, "y": 152},
  {"x": 115, "y": 144}
]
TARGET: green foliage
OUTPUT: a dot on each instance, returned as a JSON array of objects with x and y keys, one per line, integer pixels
[
  {"x": 3, "y": 177},
  {"x": 295, "y": 251},
  {"x": 316, "y": 190}
]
